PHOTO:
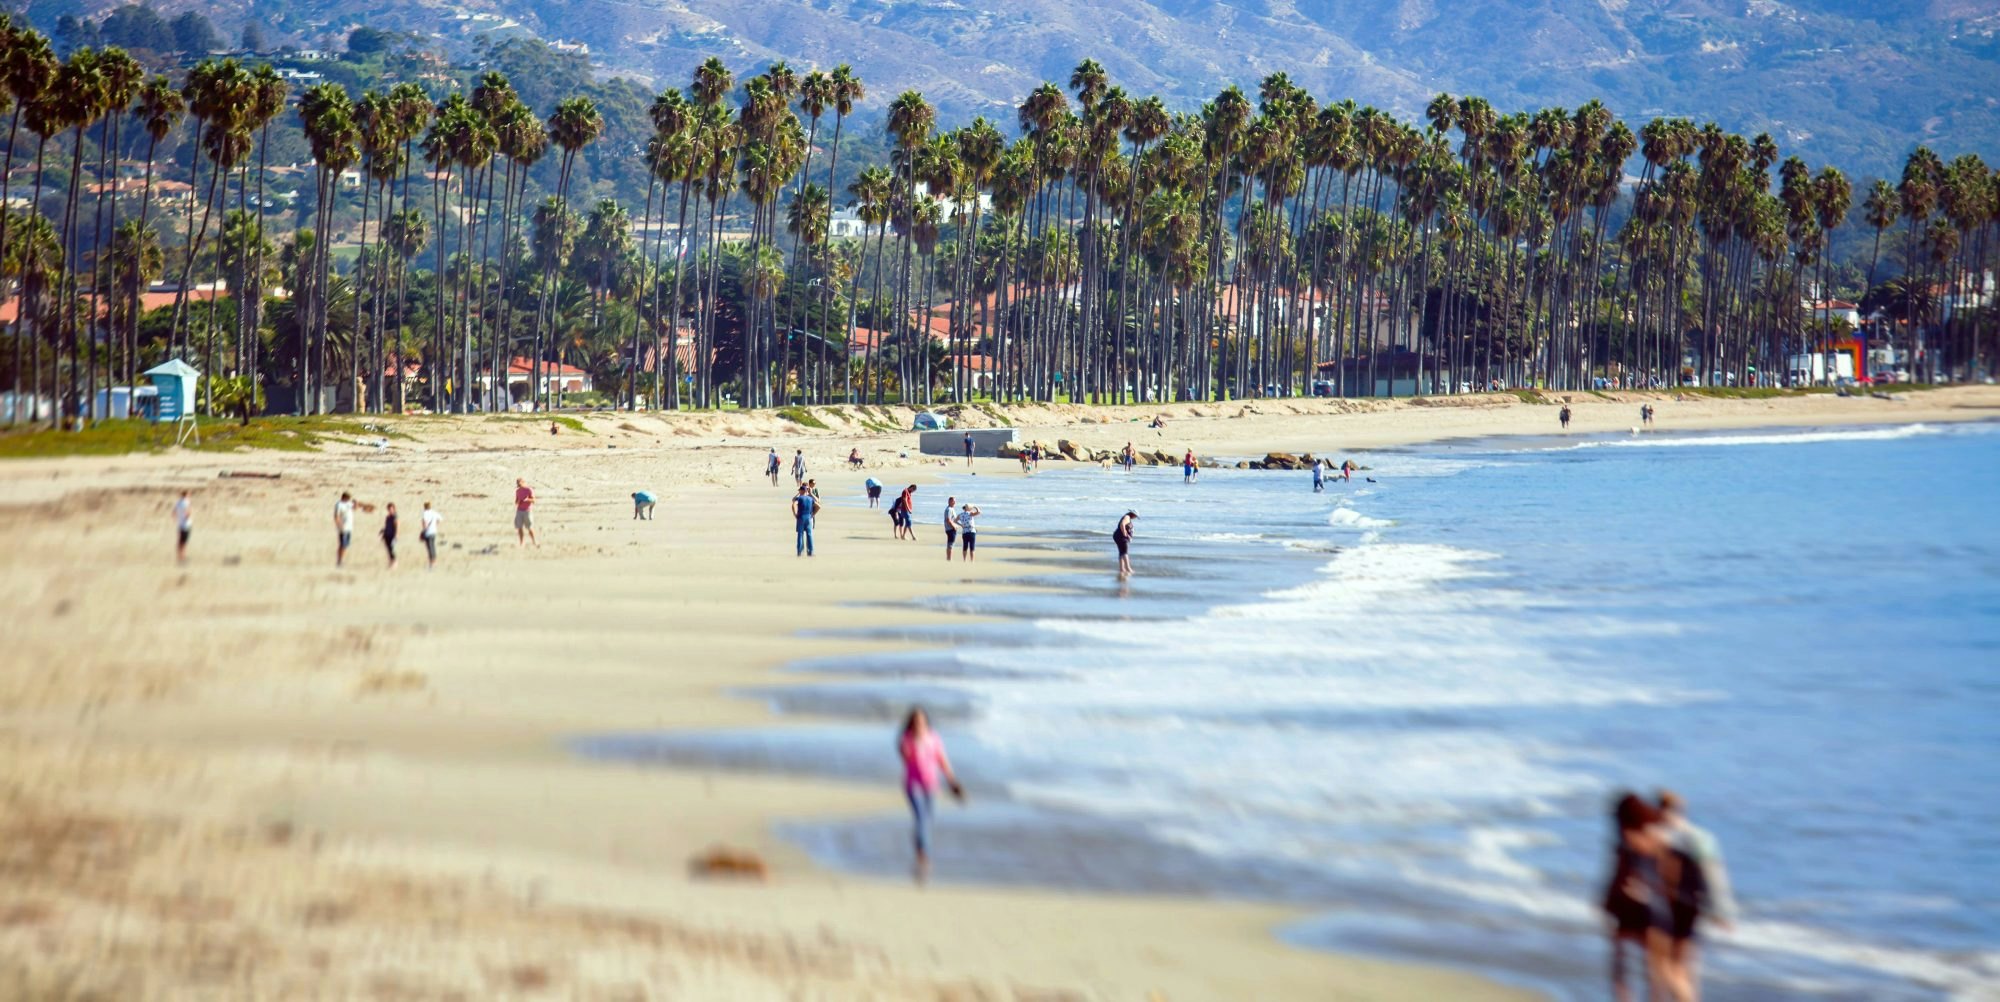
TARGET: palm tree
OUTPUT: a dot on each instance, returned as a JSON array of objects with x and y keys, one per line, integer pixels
[
  {"x": 159, "y": 108},
  {"x": 1880, "y": 209},
  {"x": 136, "y": 259},
  {"x": 910, "y": 122},
  {"x": 27, "y": 68},
  {"x": 405, "y": 233},
  {"x": 33, "y": 260},
  {"x": 1918, "y": 193},
  {"x": 574, "y": 124},
  {"x": 266, "y": 106},
  {"x": 327, "y": 115},
  {"x": 872, "y": 191}
]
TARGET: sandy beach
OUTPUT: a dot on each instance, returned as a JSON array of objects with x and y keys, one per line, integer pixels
[{"x": 259, "y": 777}]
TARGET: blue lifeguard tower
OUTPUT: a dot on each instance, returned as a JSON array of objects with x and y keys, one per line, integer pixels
[{"x": 175, "y": 380}]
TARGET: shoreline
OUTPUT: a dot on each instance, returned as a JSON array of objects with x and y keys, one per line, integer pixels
[{"x": 302, "y": 742}]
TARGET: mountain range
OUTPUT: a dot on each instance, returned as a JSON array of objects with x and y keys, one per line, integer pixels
[{"x": 1849, "y": 82}]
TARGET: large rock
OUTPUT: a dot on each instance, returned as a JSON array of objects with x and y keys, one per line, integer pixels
[
  {"x": 1068, "y": 449},
  {"x": 1281, "y": 461}
]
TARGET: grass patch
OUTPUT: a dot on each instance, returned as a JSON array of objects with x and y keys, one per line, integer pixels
[
  {"x": 801, "y": 416},
  {"x": 573, "y": 424},
  {"x": 118, "y": 438},
  {"x": 1530, "y": 396},
  {"x": 994, "y": 412},
  {"x": 1739, "y": 392}
]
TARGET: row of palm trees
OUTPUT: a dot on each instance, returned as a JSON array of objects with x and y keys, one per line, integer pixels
[{"x": 1113, "y": 251}]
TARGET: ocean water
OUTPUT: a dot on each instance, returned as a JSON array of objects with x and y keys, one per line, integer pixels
[{"x": 1406, "y": 704}]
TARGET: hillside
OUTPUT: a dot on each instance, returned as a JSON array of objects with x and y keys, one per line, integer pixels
[{"x": 1843, "y": 81}]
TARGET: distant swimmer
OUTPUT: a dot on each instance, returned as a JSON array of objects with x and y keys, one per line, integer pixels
[
  {"x": 1319, "y": 476},
  {"x": 924, "y": 761},
  {"x": 1121, "y": 537},
  {"x": 1190, "y": 469},
  {"x": 1347, "y": 469}
]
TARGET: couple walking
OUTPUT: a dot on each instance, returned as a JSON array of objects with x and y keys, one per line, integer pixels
[
  {"x": 1667, "y": 881},
  {"x": 958, "y": 522}
]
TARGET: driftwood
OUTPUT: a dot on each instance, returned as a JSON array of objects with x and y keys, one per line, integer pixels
[{"x": 249, "y": 475}]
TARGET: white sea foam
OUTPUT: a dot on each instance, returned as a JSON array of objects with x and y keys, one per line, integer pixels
[
  {"x": 1762, "y": 438},
  {"x": 1347, "y": 518},
  {"x": 1233, "y": 537}
]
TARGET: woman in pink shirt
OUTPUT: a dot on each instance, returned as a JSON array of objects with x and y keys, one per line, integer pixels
[{"x": 923, "y": 760}]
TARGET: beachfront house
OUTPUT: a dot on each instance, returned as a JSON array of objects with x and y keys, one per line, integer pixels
[{"x": 521, "y": 376}]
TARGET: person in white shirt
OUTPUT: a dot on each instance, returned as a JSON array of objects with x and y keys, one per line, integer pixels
[
  {"x": 427, "y": 530},
  {"x": 967, "y": 530},
  {"x": 343, "y": 523},
  {"x": 184, "y": 524},
  {"x": 950, "y": 526}
]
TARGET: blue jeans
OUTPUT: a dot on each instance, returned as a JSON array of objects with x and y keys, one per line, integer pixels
[
  {"x": 921, "y": 808},
  {"x": 805, "y": 528}
]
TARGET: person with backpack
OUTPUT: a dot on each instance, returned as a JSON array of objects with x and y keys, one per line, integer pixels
[
  {"x": 899, "y": 513},
  {"x": 804, "y": 507}
]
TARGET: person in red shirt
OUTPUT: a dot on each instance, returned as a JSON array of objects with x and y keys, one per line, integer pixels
[{"x": 524, "y": 514}]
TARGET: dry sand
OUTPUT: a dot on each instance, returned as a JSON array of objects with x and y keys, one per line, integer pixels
[{"x": 260, "y": 777}]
